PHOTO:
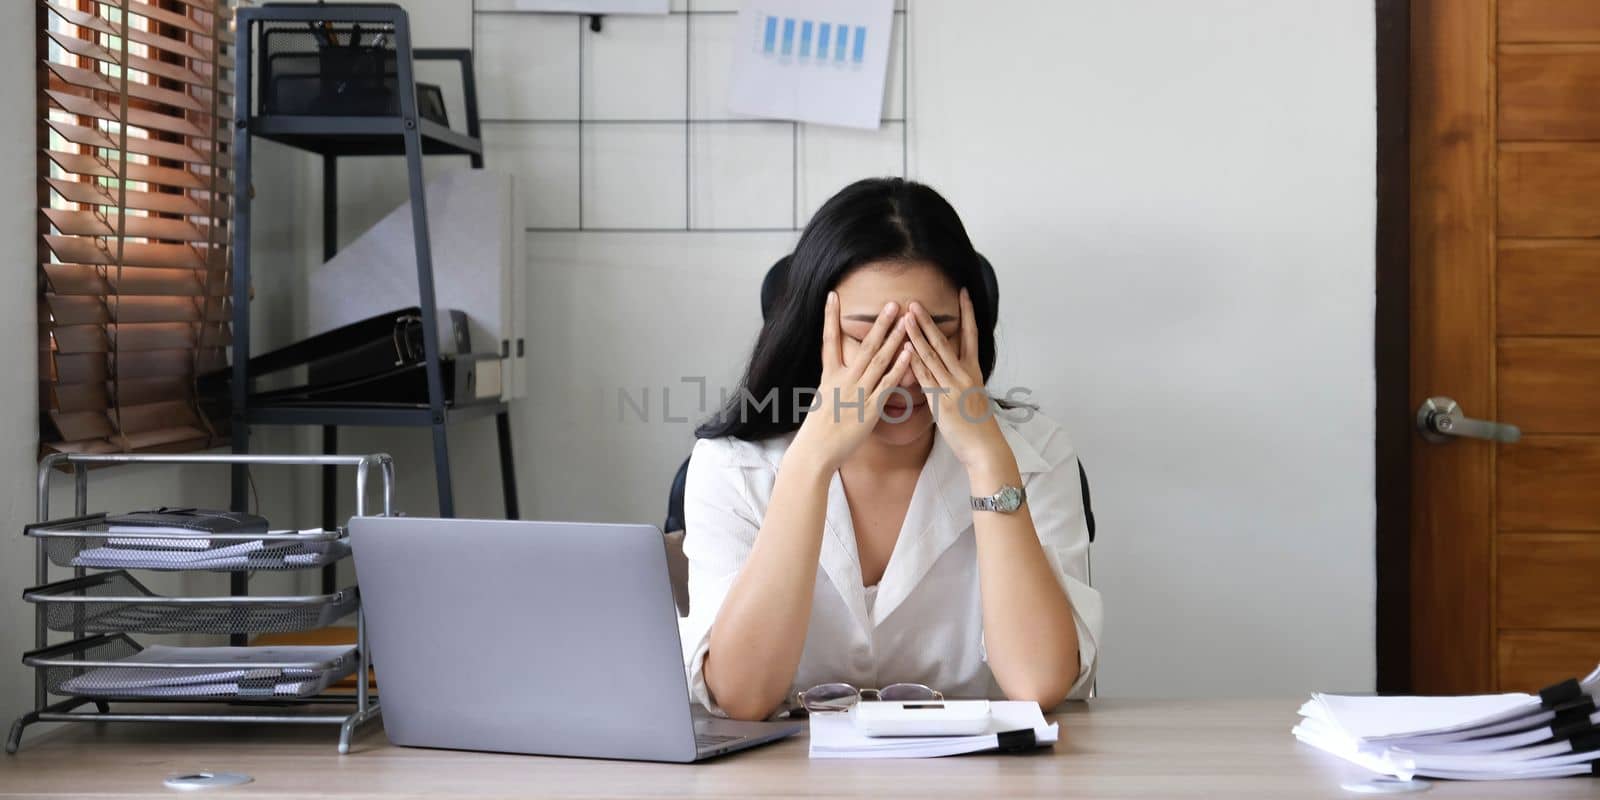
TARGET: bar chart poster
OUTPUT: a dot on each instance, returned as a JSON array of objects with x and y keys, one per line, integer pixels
[{"x": 821, "y": 61}]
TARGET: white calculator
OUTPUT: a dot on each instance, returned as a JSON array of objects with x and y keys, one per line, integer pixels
[{"x": 921, "y": 717}]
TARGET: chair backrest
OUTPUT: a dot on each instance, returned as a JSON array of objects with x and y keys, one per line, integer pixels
[{"x": 772, "y": 287}]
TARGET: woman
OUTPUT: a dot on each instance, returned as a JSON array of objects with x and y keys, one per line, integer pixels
[{"x": 842, "y": 544}]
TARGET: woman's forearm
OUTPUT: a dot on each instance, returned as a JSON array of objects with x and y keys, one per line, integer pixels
[
  {"x": 760, "y": 633},
  {"x": 1029, "y": 631}
]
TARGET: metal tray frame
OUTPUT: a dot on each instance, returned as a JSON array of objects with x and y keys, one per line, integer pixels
[
  {"x": 88, "y": 608},
  {"x": 248, "y": 712},
  {"x": 93, "y": 526},
  {"x": 77, "y": 654}
]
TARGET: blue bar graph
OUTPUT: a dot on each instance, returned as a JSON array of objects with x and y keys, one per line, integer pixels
[{"x": 813, "y": 40}]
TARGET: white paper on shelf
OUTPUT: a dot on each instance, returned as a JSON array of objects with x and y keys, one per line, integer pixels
[
  {"x": 231, "y": 665},
  {"x": 240, "y": 554},
  {"x": 129, "y": 554},
  {"x": 183, "y": 541},
  {"x": 198, "y": 542},
  {"x": 281, "y": 688},
  {"x": 834, "y": 736}
]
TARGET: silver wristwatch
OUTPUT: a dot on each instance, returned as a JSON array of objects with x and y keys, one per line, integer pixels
[{"x": 1005, "y": 501}]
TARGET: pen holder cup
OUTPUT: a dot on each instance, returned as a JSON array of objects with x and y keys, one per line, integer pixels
[
  {"x": 341, "y": 69},
  {"x": 335, "y": 69}
]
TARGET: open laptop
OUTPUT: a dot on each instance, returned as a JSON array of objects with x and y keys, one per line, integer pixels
[{"x": 550, "y": 638}]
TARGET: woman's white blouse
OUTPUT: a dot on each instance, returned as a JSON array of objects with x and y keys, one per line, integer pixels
[{"x": 925, "y": 624}]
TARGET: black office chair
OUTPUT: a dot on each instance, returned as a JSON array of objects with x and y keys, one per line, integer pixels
[{"x": 771, "y": 289}]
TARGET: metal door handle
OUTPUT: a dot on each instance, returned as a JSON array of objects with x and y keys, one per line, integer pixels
[{"x": 1440, "y": 419}]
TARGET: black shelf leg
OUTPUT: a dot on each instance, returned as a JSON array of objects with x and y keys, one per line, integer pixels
[
  {"x": 330, "y": 500},
  {"x": 330, "y": 207},
  {"x": 508, "y": 469},
  {"x": 239, "y": 582},
  {"x": 441, "y": 471},
  {"x": 330, "y": 433},
  {"x": 424, "y": 250}
]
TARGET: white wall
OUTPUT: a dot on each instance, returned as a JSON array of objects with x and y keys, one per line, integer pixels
[{"x": 1178, "y": 199}]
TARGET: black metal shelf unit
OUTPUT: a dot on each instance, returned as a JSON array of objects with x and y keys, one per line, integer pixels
[{"x": 404, "y": 132}]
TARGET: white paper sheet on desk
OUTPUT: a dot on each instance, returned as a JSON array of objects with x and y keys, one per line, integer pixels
[
  {"x": 835, "y": 736},
  {"x": 1370, "y": 718},
  {"x": 1393, "y": 721},
  {"x": 822, "y": 61},
  {"x": 1480, "y": 737}
]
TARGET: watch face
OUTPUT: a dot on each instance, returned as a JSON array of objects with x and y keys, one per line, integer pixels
[{"x": 1010, "y": 499}]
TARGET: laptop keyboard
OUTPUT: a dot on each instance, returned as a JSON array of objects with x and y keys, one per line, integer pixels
[{"x": 705, "y": 740}]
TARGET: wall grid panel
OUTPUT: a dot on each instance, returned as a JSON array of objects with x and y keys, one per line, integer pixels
[{"x": 712, "y": 154}]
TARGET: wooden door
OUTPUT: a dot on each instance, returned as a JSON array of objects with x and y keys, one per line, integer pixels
[{"x": 1505, "y": 319}]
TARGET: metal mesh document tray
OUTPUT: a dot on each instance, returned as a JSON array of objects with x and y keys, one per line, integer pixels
[
  {"x": 80, "y": 680},
  {"x": 85, "y": 542},
  {"x": 107, "y": 667},
  {"x": 116, "y": 602}
]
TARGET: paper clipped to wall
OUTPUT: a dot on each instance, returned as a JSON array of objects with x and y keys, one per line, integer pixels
[
  {"x": 577, "y": 6},
  {"x": 821, "y": 61}
]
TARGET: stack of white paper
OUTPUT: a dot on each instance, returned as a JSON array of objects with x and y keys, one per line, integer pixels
[
  {"x": 230, "y": 669},
  {"x": 1479, "y": 737},
  {"x": 835, "y": 736},
  {"x": 200, "y": 552}
]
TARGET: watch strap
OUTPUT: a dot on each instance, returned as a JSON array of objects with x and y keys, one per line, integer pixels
[{"x": 996, "y": 501}]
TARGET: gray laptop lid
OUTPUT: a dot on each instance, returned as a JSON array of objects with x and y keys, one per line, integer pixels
[{"x": 527, "y": 637}]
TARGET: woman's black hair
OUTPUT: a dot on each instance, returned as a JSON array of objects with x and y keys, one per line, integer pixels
[{"x": 872, "y": 220}]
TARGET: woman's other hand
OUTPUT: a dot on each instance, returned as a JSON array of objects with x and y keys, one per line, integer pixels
[
  {"x": 850, "y": 396},
  {"x": 949, "y": 370}
]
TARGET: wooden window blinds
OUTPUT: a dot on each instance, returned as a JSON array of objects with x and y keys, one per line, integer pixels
[{"x": 134, "y": 199}]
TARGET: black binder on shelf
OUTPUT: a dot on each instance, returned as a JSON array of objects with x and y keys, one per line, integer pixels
[{"x": 378, "y": 360}]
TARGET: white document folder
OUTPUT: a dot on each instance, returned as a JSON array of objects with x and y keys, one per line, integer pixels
[{"x": 834, "y": 736}]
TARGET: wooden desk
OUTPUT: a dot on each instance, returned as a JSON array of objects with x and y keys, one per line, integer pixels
[{"x": 1109, "y": 748}]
